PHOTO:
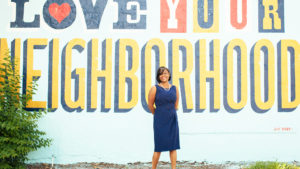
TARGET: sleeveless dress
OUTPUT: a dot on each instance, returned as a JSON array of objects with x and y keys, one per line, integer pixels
[{"x": 165, "y": 123}]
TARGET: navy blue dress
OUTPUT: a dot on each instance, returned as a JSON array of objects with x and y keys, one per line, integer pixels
[{"x": 165, "y": 123}]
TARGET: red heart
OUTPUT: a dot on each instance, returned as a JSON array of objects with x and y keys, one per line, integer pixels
[{"x": 59, "y": 12}]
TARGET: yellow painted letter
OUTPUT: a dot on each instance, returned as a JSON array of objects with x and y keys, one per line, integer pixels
[
  {"x": 210, "y": 74},
  {"x": 184, "y": 75},
  {"x": 80, "y": 72},
  {"x": 106, "y": 74},
  {"x": 128, "y": 74},
  {"x": 285, "y": 101},
  {"x": 30, "y": 73},
  {"x": 267, "y": 20},
  {"x": 257, "y": 75},
  {"x": 229, "y": 86}
]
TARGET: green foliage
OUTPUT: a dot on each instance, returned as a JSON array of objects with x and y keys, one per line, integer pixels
[
  {"x": 272, "y": 165},
  {"x": 19, "y": 132}
]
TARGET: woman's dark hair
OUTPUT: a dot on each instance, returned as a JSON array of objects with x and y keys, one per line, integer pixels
[{"x": 160, "y": 71}]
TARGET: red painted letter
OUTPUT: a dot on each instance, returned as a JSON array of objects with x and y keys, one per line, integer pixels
[{"x": 233, "y": 14}]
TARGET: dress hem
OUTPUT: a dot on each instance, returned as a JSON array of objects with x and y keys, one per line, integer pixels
[{"x": 167, "y": 150}]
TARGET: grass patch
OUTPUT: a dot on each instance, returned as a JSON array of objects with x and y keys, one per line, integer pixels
[{"x": 272, "y": 165}]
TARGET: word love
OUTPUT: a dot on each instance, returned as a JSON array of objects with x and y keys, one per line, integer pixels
[{"x": 61, "y": 14}]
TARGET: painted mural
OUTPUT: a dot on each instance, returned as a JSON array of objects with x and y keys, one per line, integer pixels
[{"x": 236, "y": 63}]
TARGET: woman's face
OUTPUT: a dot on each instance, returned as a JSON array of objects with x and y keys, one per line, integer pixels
[{"x": 164, "y": 77}]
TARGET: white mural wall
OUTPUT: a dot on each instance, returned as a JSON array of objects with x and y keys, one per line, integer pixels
[{"x": 236, "y": 63}]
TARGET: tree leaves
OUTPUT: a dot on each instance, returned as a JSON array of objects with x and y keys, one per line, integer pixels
[{"x": 19, "y": 133}]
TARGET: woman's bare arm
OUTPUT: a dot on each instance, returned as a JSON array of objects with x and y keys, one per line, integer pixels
[
  {"x": 177, "y": 98},
  {"x": 151, "y": 98}
]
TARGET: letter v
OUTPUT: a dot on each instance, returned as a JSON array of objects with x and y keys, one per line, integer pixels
[{"x": 93, "y": 14}]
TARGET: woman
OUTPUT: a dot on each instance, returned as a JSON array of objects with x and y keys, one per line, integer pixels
[{"x": 165, "y": 123}]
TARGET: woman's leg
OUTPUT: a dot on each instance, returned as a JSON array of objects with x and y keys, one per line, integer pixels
[
  {"x": 155, "y": 159},
  {"x": 173, "y": 158}
]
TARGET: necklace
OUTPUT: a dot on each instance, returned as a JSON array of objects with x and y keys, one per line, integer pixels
[{"x": 166, "y": 89}]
